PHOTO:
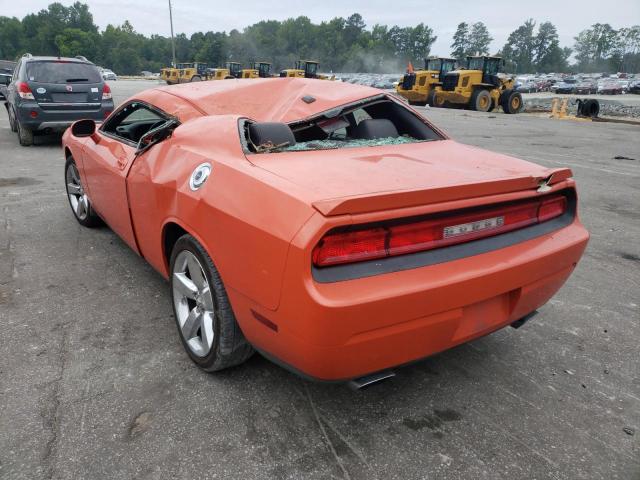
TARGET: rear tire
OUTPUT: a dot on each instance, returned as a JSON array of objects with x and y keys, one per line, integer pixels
[
  {"x": 25, "y": 135},
  {"x": 196, "y": 78},
  {"x": 511, "y": 101},
  {"x": 481, "y": 101},
  {"x": 223, "y": 344},
  {"x": 435, "y": 100},
  {"x": 12, "y": 119},
  {"x": 416, "y": 103}
]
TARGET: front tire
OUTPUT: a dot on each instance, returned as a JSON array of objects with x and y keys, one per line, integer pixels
[
  {"x": 78, "y": 199},
  {"x": 206, "y": 324},
  {"x": 511, "y": 101},
  {"x": 25, "y": 135},
  {"x": 481, "y": 101}
]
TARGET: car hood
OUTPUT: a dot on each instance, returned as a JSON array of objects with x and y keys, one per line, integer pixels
[{"x": 336, "y": 181}]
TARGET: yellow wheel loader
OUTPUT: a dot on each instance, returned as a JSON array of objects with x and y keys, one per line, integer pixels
[
  {"x": 478, "y": 87},
  {"x": 182, "y": 72},
  {"x": 257, "y": 70},
  {"x": 418, "y": 86},
  {"x": 305, "y": 69},
  {"x": 230, "y": 70}
]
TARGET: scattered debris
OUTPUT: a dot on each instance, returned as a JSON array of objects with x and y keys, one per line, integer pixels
[
  {"x": 18, "y": 182},
  {"x": 140, "y": 424},
  {"x": 445, "y": 459},
  {"x": 630, "y": 256},
  {"x": 569, "y": 372},
  {"x": 629, "y": 431},
  {"x": 622, "y": 157}
]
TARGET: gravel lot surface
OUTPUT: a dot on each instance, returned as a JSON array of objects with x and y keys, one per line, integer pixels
[{"x": 94, "y": 383}]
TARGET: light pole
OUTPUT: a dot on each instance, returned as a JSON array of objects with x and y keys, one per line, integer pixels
[{"x": 173, "y": 43}]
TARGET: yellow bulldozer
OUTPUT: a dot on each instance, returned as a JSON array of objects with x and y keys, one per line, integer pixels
[
  {"x": 479, "y": 87},
  {"x": 305, "y": 69},
  {"x": 185, "y": 73},
  {"x": 418, "y": 86}
]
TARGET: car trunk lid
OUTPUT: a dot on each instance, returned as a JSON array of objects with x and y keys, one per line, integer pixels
[{"x": 360, "y": 180}]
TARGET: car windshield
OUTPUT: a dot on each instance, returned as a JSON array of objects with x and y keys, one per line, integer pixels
[{"x": 60, "y": 71}]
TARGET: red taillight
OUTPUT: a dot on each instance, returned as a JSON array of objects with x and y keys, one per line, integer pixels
[
  {"x": 24, "y": 91},
  {"x": 350, "y": 247},
  {"x": 107, "y": 113},
  {"x": 33, "y": 114},
  {"x": 106, "y": 92},
  {"x": 552, "y": 208},
  {"x": 391, "y": 240}
]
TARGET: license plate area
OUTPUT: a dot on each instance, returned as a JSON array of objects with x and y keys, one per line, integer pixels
[{"x": 473, "y": 227}]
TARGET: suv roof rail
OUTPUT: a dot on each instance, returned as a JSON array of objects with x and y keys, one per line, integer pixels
[{"x": 26, "y": 55}]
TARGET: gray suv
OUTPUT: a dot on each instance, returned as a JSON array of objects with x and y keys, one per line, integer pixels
[{"x": 47, "y": 94}]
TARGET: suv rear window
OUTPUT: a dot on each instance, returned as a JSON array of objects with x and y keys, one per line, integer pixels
[{"x": 62, "y": 72}]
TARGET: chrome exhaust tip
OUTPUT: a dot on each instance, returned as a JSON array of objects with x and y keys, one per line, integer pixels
[{"x": 369, "y": 380}]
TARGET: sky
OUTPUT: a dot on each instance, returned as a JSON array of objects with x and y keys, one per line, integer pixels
[{"x": 500, "y": 16}]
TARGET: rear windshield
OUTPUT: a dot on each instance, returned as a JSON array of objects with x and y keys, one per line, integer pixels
[{"x": 62, "y": 72}]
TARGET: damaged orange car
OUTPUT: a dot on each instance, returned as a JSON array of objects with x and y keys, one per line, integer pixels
[{"x": 328, "y": 226}]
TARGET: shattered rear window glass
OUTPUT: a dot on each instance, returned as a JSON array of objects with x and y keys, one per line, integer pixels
[{"x": 338, "y": 143}]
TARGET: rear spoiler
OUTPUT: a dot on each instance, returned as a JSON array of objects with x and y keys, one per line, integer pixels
[{"x": 411, "y": 198}]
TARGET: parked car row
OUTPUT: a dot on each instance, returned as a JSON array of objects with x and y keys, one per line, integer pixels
[
  {"x": 582, "y": 84},
  {"x": 48, "y": 94}
]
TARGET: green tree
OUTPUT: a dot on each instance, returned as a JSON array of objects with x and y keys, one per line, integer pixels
[
  {"x": 593, "y": 47},
  {"x": 549, "y": 57},
  {"x": 479, "y": 39},
  {"x": 625, "y": 56},
  {"x": 11, "y": 38},
  {"x": 518, "y": 53},
  {"x": 461, "y": 42},
  {"x": 73, "y": 41}
]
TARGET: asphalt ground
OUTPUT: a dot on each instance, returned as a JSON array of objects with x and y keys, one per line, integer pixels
[{"x": 94, "y": 383}]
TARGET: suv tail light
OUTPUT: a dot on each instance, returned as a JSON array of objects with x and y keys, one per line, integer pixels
[
  {"x": 106, "y": 92},
  {"x": 24, "y": 91},
  {"x": 393, "y": 239}
]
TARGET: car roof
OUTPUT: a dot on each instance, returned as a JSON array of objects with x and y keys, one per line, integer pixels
[
  {"x": 59, "y": 59},
  {"x": 263, "y": 99}
]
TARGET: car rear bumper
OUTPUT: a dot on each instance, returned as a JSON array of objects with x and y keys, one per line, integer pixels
[
  {"x": 62, "y": 116},
  {"x": 343, "y": 330}
]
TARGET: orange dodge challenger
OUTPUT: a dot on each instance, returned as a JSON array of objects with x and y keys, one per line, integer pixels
[{"x": 328, "y": 226}]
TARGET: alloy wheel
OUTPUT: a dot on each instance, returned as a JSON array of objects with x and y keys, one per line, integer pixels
[
  {"x": 77, "y": 196},
  {"x": 193, "y": 301}
]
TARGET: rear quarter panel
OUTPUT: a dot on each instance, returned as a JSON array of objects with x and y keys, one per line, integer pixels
[{"x": 241, "y": 216}]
